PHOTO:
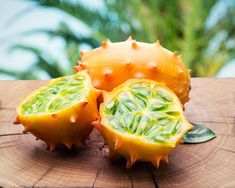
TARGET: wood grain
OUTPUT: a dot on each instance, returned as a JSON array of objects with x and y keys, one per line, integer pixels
[{"x": 25, "y": 162}]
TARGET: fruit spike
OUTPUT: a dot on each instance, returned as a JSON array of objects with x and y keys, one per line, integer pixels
[
  {"x": 17, "y": 121},
  {"x": 82, "y": 53},
  {"x": 130, "y": 58},
  {"x": 26, "y": 129},
  {"x": 83, "y": 65},
  {"x": 152, "y": 66},
  {"x": 141, "y": 120},
  {"x": 61, "y": 112},
  {"x": 134, "y": 45},
  {"x": 130, "y": 161},
  {"x": 52, "y": 147},
  {"x": 158, "y": 43},
  {"x": 104, "y": 44},
  {"x": 108, "y": 41},
  {"x": 175, "y": 55},
  {"x": 156, "y": 162},
  {"x": 68, "y": 145},
  {"x": 107, "y": 72},
  {"x": 72, "y": 119},
  {"x": 77, "y": 68},
  {"x": 130, "y": 38},
  {"x": 118, "y": 144}
]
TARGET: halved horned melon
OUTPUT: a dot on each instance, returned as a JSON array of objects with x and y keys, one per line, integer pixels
[
  {"x": 114, "y": 63},
  {"x": 60, "y": 112},
  {"x": 141, "y": 120}
]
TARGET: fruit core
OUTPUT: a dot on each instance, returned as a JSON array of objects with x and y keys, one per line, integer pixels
[
  {"x": 57, "y": 95},
  {"x": 145, "y": 110}
]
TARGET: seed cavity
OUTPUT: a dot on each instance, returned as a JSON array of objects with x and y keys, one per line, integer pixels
[
  {"x": 56, "y": 96},
  {"x": 146, "y": 110}
]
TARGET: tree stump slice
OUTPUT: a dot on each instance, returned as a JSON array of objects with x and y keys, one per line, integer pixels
[{"x": 25, "y": 162}]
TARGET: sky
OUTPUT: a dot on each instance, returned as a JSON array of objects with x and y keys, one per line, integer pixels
[
  {"x": 11, "y": 25},
  {"x": 37, "y": 18}
]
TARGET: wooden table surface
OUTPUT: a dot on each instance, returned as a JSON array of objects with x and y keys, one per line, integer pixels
[{"x": 25, "y": 162}]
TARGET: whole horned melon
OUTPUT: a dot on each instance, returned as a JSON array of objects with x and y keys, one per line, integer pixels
[
  {"x": 114, "y": 63},
  {"x": 60, "y": 112},
  {"x": 141, "y": 120}
]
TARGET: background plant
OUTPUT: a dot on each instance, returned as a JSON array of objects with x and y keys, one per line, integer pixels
[{"x": 180, "y": 25}]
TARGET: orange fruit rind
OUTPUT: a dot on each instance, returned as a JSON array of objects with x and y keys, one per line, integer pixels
[
  {"x": 60, "y": 112},
  {"x": 141, "y": 120}
]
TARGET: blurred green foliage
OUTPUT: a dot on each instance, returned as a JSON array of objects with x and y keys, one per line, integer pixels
[{"x": 180, "y": 25}]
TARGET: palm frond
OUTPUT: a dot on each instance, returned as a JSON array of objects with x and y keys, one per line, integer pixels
[
  {"x": 179, "y": 25},
  {"x": 64, "y": 32},
  {"x": 43, "y": 60}
]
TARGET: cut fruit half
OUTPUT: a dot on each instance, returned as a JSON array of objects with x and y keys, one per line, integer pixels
[
  {"x": 141, "y": 120},
  {"x": 62, "y": 111}
]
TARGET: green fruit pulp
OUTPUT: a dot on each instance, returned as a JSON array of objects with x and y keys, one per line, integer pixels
[
  {"x": 57, "y": 95},
  {"x": 146, "y": 110}
]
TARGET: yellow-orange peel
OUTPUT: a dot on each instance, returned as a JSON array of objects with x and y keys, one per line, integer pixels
[
  {"x": 141, "y": 120},
  {"x": 60, "y": 112}
]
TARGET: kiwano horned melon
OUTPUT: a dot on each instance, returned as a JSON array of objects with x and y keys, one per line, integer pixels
[
  {"x": 114, "y": 63},
  {"x": 141, "y": 120},
  {"x": 60, "y": 112}
]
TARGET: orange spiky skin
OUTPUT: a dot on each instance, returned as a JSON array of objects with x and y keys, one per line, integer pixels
[
  {"x": 131, "y": 146},
  {"x": 131, "y": 59},
  {"x": 70, "y": 126}
]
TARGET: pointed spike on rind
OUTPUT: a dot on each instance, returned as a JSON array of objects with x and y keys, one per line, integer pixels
[
  {"x": 134, "y": 45},
  {"x": 156, "y": 163},
  {"x": 153, "y": 65},
  {"x": 180, "y": 71},
  {"x": 52, "y": 147},
  {"x": 158, "y": 43},
  {"x": 53, "y": 115},
  {"x": 165, "y": 159},
  {"x": 82, "y": 53},
  {"x": 130, "y": 161},
  {"x": 83, "y": 65},
  {"x": 26, "y": 129},
  {"x": 139, "y": 75},
  {"x": 104, "y": 44},
  {"x": 129, "y": 38},
  {"x": 180, "y": 91},
  {"x": 96, "y": 83},
  {"x": 68, "y": 145},
  {"x": 72, "y": 119},
  {"x": 107, "y": 72},
  {"x": 183, "y": 107},
  {"x": 118, "y": 144},
  {"x": 181, "y": 141},
  {"x": 79, "y": 62},
  {"x": 175, "y": 54},
  {"x": 84, "y": 103},
  {"x": 17, "y": 121},
  {"x": 96, "y": 124},
  {"x": 77, "y": 68}
]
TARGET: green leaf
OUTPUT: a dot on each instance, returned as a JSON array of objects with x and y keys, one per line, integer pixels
[{"x": 198, "y": 134}]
